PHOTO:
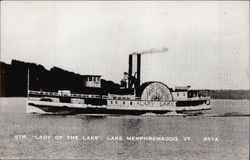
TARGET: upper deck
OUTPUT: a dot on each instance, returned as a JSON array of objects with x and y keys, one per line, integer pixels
[{"x": 190, "y": 95}]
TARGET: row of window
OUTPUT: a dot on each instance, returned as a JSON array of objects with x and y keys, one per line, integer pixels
[
  {"x": 131, "y": 103},
  {"x": 93, "y": 78},
  {"x": 179, "y": 94}
]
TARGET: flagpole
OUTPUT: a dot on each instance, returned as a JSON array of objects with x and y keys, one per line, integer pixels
[{"x": 28, "y": 82}]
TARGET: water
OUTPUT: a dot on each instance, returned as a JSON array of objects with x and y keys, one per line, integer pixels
[{"x": 232, "y": 133}]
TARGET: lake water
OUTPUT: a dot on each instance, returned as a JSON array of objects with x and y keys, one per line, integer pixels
[{"x": 163, "y": 135}]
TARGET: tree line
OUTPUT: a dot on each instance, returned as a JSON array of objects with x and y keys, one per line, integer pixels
[{"x": 14, "y": 80}]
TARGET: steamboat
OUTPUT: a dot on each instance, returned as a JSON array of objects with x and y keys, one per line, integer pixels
[{"x": 133, "y": 97}]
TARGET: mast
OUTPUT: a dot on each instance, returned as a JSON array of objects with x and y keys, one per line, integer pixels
[{"x": 28, "y": 81}]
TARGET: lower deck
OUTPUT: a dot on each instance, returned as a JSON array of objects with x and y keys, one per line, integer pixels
[{"x": 134, "y": 107}]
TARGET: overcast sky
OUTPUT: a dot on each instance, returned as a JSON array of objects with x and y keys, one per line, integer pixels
[{"x": 208, "y": 41}]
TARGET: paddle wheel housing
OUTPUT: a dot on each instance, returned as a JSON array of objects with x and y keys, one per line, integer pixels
[{"x": 155, "y": 91}]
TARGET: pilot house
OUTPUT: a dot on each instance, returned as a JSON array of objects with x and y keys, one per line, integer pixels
[{"x": 92, "y": 81}]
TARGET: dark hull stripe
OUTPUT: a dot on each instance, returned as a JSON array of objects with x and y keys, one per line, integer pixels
[{"x": 67, "y": 110}]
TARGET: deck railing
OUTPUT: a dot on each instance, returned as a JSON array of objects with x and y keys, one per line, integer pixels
[
  {"x": 73, "y": 95},
  {"x": 115, "y": 97}
]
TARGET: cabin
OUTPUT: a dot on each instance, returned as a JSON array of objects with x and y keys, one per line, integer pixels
[
  {"x": 93, "y": 81},
  {"x": 180, "y": 93},
  {"x": 185, "y": 93}
]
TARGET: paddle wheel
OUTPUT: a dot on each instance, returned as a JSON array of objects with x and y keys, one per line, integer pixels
[{"x": 156, "y": 91}]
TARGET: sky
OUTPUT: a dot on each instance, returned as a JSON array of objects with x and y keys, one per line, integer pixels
[{"x": 207, "y": 41}]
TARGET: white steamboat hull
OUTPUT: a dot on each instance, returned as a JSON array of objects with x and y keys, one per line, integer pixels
[{"x": 112, "y": 107}]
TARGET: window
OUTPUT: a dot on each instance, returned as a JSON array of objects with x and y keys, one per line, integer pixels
[
  {"x": 90, "y": 78},
  {"x": 115, "y": 102},
  {"x": 131, "y": 103},
  {"x": 178, "y": 94},
  {"x": 111, "y": 102},
  {"x": 94, "y": 78},
  {"x": 124, "y": 102}
]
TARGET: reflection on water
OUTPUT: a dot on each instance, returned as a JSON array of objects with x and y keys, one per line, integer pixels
[{"x": 231, "y": 131}]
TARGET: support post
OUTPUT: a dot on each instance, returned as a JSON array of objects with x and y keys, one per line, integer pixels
[{"x": 28, "y": 81}]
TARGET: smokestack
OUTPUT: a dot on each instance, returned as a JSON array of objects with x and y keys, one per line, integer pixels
[
  {"x": 135, "y": 64},
  {"x": 139, "y": 69},
  {"x": 130, "y": 63},
  {"x": 134, "y": 69}
]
